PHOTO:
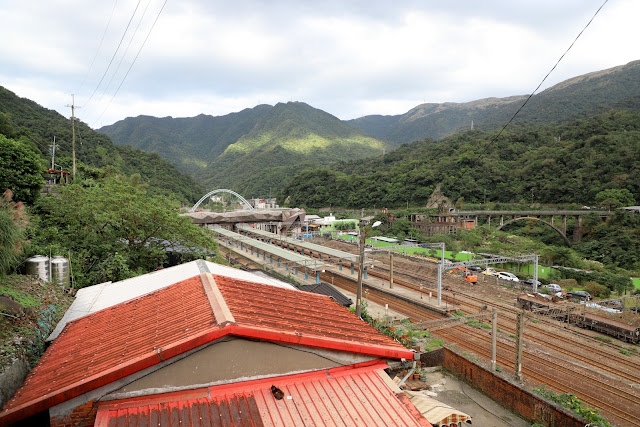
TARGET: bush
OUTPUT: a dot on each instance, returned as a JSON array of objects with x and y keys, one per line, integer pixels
[
  {"x": 597, "y": 290},
  {"x": 568, "y": 283}
]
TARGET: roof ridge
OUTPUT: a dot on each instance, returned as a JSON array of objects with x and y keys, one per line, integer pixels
[{"x": 219, "y": 306}]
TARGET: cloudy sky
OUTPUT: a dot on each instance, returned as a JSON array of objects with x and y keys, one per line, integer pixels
[{"x": 349, "y": 58}]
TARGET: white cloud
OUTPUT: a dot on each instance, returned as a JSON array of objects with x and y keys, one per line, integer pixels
[{"x": 347, "y": 58}]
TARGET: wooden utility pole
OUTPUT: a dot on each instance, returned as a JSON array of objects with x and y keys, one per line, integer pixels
[
  {"x": 519, "y": 334},
  {"x": 73, "y": 133}
]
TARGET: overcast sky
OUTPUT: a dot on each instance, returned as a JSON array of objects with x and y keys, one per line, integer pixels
[{"x": 349, "y": 58}]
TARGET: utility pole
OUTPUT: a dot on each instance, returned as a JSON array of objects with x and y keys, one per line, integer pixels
[
  {"x": 73, "y": 133},
  {"x": 494, "y": 332},
  {"x": 519, "y": 334},
  {"x": 390, "y": 270},
  {"x": 53, "y": 153}
]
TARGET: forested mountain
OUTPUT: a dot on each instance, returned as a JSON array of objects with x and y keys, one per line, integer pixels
[
  {"x": 553, "y": 163},
  {"x": 575, "y": 98},
  {"x": 190, "y": 143},
  {"x": 254, "y": 151},
  {"x": 23, "y": 119}
]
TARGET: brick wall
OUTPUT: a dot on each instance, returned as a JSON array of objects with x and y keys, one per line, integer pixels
[
  {"x": 80, "y": 416},
  {"x": 509, "y": 394}
]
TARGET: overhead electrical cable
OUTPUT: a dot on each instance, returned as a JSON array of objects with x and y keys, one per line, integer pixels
[
  {"x": 124, "y": 54},
  {"x": 545, "y": 77},
  {"x": 99, "y": 46},
  {"x": 114, "y": 54},
  {"x": 134, "y": 61}
]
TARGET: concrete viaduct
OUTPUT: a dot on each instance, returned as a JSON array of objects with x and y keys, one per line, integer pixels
[{"x": 503, "y": 218}]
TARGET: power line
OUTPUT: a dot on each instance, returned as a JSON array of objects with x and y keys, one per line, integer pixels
[
  {"x": 545, "y": 77},
  {"x": 114, "y": 54},
  {"x": 99, "y": 46},
  {"x": 125, "y": 53},
  {"x": 134, "y": 61}
]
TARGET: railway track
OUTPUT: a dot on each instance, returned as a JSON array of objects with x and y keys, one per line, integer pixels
[
  {"x": 619, "y": 402},
  {"x": 600, "y": 384}
]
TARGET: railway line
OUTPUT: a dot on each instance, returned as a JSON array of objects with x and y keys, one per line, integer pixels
[
  {"x": 589, "y": 369},
  {"x": 617, "y": 401}
]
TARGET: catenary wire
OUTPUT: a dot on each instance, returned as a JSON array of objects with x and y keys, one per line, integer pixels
[
  {"x": 550, "y": 71},
  {"x": 134, "y": 61},
  {"x": 124, "y": 54},
  {"x": 99, "y": 47},
  {"x": 114, "y": 54}
]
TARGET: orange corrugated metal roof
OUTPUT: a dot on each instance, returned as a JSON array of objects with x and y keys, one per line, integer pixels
[
  {"x": 115, "y": 342},
  {"x": 339, "y": 396}
]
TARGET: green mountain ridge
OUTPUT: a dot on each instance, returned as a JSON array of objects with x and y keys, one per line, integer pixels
[
  {"x": 23, "y": 118},
  {"x": 571, "y": 99},
  {"x": 253, "y": 151},
  {"x": 567, "y": 163}
]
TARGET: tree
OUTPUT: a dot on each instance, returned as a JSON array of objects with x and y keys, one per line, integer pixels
[
  {"x": 115, "y": 229},
  {"x": 614, "y": 198},
  {"x": 20, "y": 170}
]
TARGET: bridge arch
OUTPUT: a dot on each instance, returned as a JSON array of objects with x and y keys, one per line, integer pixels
[
  {"x": 222, "y": 190},
  {"x": 564, "y": 236}
]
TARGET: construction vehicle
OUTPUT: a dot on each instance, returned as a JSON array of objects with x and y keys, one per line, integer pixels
[{"x": 467, "y": 275}]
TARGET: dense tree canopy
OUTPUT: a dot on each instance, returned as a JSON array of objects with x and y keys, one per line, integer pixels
[
  {"x": 569, "y": 163},
  {"x": 115, "y": 229},
  {"x": 20, "y": 170}
]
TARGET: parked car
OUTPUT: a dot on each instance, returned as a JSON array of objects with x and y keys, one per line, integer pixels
[
  {"x": 532, "y": 282},
  {"x": 614, "y": 303},
  {"x": 554, "y": 287},
  {"x": 508, "y": 276},
  {"x": 579, "y": 295},
  {"x": 475, "y": 268}
]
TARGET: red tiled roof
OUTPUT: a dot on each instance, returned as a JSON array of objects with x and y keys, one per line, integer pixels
[
  {"x": 339, "y": 396},
  {"x": 118, "y": 341}
]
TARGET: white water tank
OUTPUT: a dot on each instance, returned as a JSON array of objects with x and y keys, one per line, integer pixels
[
  {"x": 38, "y": 266},
  {"x": 60, "y": 271}
]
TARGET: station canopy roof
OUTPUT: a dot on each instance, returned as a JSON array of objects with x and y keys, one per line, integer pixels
[
  {"x": 287, "y": 216},
  {"x": 333, "y": 253},
  {"x": 284, "y": 254}
]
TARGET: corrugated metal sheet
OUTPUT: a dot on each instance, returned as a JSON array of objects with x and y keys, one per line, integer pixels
[
  {"x": 112, "y": 343},
  {"x": 435, "y": 411},
  {"x": 323, "y": 288},
  {"x": 353, "y": 397},
  {"x": 98, "y": 297},
  {"x": 334, "y": 253},
  {"x": 285, "y": 254}
]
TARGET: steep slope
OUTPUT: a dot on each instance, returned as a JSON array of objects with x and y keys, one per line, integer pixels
[
  {"x": 289, "y": 137},
  {"x": 252, "y": 151},
  {"x": 564, "y": 163},
  {"x": 23, "y": 118},
  {"x": 573, "y": 98},
  {"x": 190, "y": 143}
]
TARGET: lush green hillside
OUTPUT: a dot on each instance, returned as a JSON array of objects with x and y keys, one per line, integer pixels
[
  {"x": 254, "y": 151},
  {"x": 571, "y": 99},
  {"x": 567, "y": 163},
  {"x": 190, "y": 143},
  {"x": 23, "y": 119},
  {"x": 290, "y": 136}
]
